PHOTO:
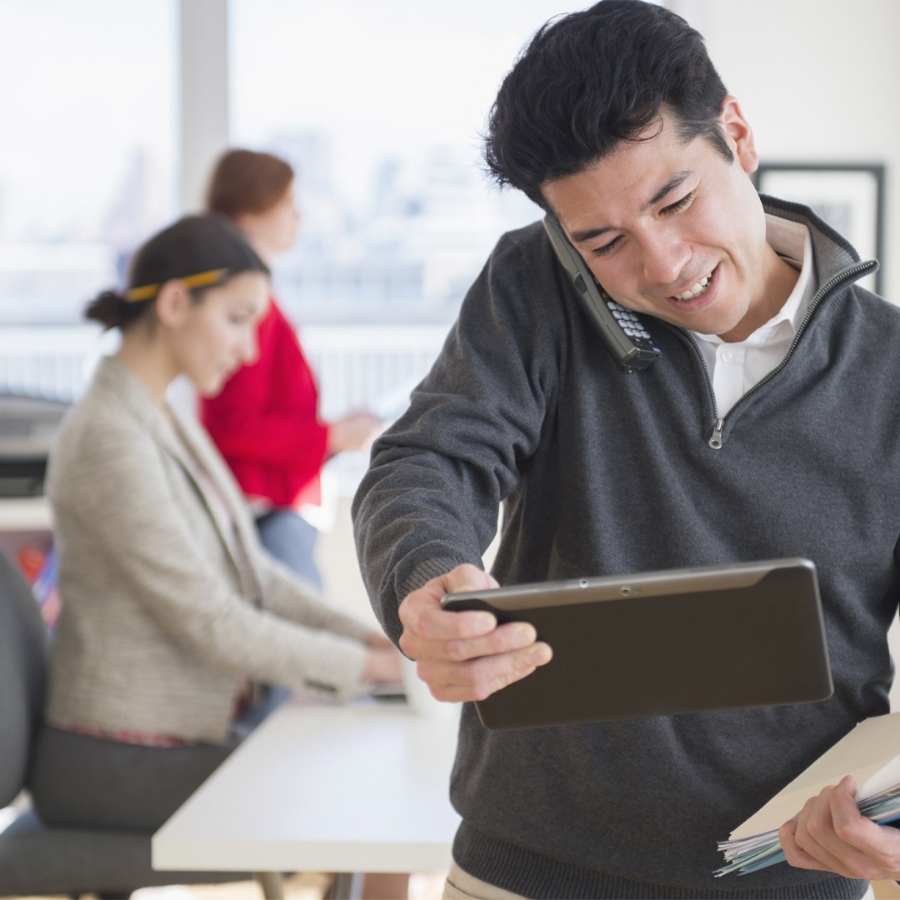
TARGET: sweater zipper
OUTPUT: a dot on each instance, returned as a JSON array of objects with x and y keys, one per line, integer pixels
[{"x": 716, "y": 439}]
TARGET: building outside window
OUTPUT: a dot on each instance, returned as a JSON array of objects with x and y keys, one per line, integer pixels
[
  {"x": 87, "y": 161},
  {"x": 379, "y": 106},
  {"x": 88, "y": 169}
]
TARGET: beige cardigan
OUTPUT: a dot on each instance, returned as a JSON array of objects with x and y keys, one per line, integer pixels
[{"x": 157, "y": 630}]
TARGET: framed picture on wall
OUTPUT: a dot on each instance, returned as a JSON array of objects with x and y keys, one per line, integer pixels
[{"x": 849, "y": 197}]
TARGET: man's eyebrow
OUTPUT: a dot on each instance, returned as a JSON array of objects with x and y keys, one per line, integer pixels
[
  {"x": 675, "y": 181},
  {"x": 581, "y": 236},
  {"x": 679, "y": 178}
]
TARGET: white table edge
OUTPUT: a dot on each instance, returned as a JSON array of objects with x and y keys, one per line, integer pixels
[{"x": 286, "y": 856}]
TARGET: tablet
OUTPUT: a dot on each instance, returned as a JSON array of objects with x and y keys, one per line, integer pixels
[{"x": 663, "y": 643}]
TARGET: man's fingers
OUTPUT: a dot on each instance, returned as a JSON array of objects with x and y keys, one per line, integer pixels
[
  {"x": 467, "y": 578},
  {"x": 465, "y": 655},
  {"x": 511, "y": 636},
  {"x": 456, "y": 694},
  {"x": 477, "y": 679},
  {"x": 422, "y": 616},
  {"x": 503, "y": 639},
  {"x": 867, "y": 849},
  {"x": 431, "y": 623},
  {"x": 794, "y": 854},
  {"x": 812, "y": 824},
  {"x": 850, "y": 826},
  {"x": 823, "y": 858},
  {"x": 832, "y": 833}
]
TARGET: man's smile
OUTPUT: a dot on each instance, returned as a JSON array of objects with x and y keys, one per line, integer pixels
[
  {"x": 700, "y": 296},
  {"x": 696, "y": 290}
]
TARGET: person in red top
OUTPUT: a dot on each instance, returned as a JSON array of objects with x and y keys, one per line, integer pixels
[{"x": 265, "y": 421}]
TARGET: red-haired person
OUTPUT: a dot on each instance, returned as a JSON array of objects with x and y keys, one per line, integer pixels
[{"x": 265, "y": 421}]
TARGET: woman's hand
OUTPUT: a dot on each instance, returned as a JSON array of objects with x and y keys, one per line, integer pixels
[
  {"x": 353, "y": 432},
  {"x": 377, "y": 641},
  {"x": 383, "y": 664}
]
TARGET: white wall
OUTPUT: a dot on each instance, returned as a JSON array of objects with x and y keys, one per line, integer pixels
[{"x": 818, "y": 81}]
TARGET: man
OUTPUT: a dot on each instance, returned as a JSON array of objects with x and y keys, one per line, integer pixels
[{"x": 768, "y": 429}]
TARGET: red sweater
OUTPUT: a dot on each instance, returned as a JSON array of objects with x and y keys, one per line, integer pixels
[{"x": 265, "y": 420}]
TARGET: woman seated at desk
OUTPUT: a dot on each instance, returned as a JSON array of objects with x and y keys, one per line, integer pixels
[{"x": 171, "y": 610}]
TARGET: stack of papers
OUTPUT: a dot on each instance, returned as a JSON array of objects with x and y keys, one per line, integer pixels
[{"x": 869, "y": 753}]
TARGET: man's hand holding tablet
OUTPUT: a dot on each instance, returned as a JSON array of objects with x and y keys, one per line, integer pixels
[{"x": 465, "y": 656}]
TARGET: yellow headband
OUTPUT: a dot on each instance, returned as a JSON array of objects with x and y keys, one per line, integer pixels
[{"x": 202, "y": 279}]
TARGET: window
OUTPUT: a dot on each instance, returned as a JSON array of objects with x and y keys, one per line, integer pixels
[
  {"x": 379, "y": 107},
  {"x": 87, "y": 161}
]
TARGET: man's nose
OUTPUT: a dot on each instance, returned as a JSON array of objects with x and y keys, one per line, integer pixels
[{"x": 665, "y": 257}]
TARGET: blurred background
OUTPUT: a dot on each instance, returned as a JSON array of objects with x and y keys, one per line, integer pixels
[{"x": 113, "y": 111}]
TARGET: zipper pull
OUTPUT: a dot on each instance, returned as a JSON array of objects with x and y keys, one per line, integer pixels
[{"x": 716, "y": 440}]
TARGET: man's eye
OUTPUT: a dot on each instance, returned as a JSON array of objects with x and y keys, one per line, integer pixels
[
  {"x": 683, "y": 203},
  {"x": 607, "y": 248}
]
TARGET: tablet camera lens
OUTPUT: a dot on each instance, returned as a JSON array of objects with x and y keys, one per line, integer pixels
[
  {"x": 625, "y": 591},
  {"x": 582, "y": 583}
]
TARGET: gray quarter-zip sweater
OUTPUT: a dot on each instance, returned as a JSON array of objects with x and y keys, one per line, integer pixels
[{"x": 604, "y": 473}]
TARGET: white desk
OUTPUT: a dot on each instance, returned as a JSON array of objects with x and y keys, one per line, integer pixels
[
  {"x": 325, "y": 789},
  {"x": 25, "y": 514}
]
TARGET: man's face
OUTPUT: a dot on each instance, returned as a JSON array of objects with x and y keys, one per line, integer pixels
[{"x": 674, "y": 230}]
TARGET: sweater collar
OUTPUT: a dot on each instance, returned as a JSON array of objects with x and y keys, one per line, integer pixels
[{"x": 834, "y": 255}]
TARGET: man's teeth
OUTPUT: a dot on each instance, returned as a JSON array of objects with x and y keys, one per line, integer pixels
[{"x": 696, "y": 290}]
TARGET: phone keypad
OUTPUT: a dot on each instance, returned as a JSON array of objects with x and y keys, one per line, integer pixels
[{"x": 629, "y": 322}]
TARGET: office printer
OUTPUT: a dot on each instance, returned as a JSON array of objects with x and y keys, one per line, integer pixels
[{"x": 27, "y": 427}]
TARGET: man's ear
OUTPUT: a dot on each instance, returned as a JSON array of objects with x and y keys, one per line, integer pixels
[
  {"x": 738, "y": 134},
  {"x": 172, "y": 303}
]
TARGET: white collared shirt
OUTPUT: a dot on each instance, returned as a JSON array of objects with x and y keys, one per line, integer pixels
[{"x": 736, "y": 367}]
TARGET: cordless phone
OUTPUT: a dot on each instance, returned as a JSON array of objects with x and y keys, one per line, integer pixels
[{"x": 622, "y": 332}]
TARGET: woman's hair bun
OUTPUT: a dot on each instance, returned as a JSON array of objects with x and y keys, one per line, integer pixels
[{"x": 108, "y": 308}]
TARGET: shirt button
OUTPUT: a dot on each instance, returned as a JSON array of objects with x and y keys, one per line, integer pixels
[{"x": 727, "y": 356}]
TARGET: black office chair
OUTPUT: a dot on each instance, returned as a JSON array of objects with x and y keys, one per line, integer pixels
[{"x": 35, "y": 859}]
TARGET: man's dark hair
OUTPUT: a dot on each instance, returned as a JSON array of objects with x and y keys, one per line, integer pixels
[{"x": 588, "y": 81}]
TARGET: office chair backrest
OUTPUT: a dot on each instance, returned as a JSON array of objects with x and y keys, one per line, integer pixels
[{"x": 23, "y": 667}]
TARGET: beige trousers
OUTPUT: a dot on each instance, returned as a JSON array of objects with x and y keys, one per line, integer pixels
[{"x": 463, "y": 886}]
